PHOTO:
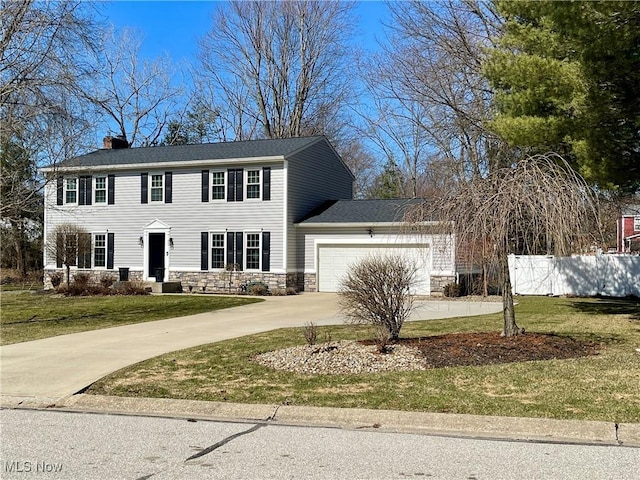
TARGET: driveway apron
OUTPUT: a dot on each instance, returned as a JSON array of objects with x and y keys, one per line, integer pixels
[{"x": 53, "y": 368}]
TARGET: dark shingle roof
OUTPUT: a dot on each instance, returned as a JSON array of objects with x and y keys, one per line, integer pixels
[
  {"x": 362, "y": 211},
  {"x": 180, "y": 153}
]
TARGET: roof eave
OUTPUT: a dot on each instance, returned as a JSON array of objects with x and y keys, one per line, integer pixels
[
  {"x": 179, "y": 164},
  {"x": 360, "y": 224}
]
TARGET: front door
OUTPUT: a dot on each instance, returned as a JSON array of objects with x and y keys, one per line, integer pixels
[{"x": 156, "y": 253}]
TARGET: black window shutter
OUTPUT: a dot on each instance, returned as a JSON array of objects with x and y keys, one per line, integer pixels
[
  {"x": 230, "y": 247},
  {"x": 110, "y": 249},
  {"x": 239, "y": 185},
  {"x": 231, "y": 185},
  {"x": 266, "y": 183},
  {"x": 144, "y": 187},
  {"x": 84, "y": 250},
  {"x": 111, "y": 189},
  {"x": 204, "y": 250},
  {"x": 81, "y": 190},
  {"x": 85, "y": 191},
  {"x": 205, "y": 185},
  {"x": 59, "y": 249},
  {"x": 60, "y": 191},
  {"x": 239, "y": 251},
  {"x": 168, "y": 187},
  {"x": 266, "y": 251}
]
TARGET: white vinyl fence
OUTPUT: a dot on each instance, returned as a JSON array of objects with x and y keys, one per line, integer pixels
[{"x": 608, "y": 275}]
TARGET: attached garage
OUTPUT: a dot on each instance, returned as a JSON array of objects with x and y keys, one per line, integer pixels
[
  {"x": 343, "y": 232},
  {"x": 335, "y": 259}
]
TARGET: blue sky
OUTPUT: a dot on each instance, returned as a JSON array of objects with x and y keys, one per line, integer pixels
[{"x": 174, "y": 27}]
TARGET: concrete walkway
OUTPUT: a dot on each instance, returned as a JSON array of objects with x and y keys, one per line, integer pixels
[{"x": 48, "y": 370}]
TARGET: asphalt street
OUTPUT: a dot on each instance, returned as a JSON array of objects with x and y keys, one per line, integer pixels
[{"x": 64, "y": 445}]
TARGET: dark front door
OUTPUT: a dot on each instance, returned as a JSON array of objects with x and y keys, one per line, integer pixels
[{"x": 156, "y": 252}]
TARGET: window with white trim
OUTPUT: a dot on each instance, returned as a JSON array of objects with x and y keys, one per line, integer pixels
[
  {"x": 100, "y": 250},
  {"x": 100, "y": 190},
  {"x": 252, "y": 251},
  {"x": 218, "y": 185},
  {"x": 636, "y": 223},
  {"x": 253, "y": 183},
  {"x": 217, "y": 250},
  {"x": 157, "y": 188},
  {"x": 71, "y": 190}
]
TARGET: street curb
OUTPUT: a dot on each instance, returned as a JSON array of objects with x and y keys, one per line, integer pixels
[{"x": 444, "y": 424}]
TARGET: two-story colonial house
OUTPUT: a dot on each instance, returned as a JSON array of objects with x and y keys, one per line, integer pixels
[{"x": 279, "y": 211}]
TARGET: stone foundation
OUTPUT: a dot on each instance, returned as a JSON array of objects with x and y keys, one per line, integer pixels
[
  {"x": 95, "y": 276},
  {"x": 438, "y": 283},
  {"x": 310, "y": 284},
  {"x": 230, "y": 282}
]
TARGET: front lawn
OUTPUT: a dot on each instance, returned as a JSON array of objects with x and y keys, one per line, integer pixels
[
  {"x": 31, "y": 316},
  {"x": 601, "y": 387}
]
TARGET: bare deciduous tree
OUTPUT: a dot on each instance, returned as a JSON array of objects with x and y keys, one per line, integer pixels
[
  {"x": 43, "y": 48},
  {"x": 136, "y": 98},
  {"x": 378, "y": 291},
  {"x": 277, "y": 69},
  {"x": 432, "y": 101},
  {"x": 69, "y": 245},
  {"x": 536, "y": 205}
]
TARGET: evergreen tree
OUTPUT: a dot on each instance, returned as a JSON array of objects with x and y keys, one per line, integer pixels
[{"x": 566, "y": 78}]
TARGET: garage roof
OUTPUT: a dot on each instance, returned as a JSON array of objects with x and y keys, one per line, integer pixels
[{"x": 361, "y": 211}]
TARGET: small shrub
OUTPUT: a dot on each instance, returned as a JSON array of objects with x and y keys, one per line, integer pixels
[
  {"x": 310, "y": 332},
  {"x": 257, "y": 288},
  {"x": 106, "y": 282},
  {"x": 56, "y": 279},
  {"x": 451, "y": 290},
  {"x": 377, "y": 291},
  {"x": 132, "y": 287},
  {"x": 292, "y": 291},
  {"x": 279, "y": 292}
]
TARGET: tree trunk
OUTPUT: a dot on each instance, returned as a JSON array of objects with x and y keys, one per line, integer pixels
[{"x": 510, "y": 328}]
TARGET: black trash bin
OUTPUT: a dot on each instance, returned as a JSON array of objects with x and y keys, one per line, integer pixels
[
  {"x": 159, "y": 274},
  {"x": 124, "y": 274}
]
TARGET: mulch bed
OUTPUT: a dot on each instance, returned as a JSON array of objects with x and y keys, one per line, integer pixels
[{"x": 473, "y": 349}]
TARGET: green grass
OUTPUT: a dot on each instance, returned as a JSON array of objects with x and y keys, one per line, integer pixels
[
  {"x": 31, "y": 316},
  {"x": 604, "y": 387}
]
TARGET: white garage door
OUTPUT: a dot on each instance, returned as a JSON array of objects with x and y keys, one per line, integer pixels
[{"x": 335, "y": 260}]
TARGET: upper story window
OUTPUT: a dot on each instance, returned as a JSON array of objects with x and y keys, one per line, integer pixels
[
  {"x": 71, "y": 190},
  {"x": 218, "y": 185},
  {"x": 100, "y": 190},
  {"x": 157, "y": 188},
  {"x": 253, "y": 184}
]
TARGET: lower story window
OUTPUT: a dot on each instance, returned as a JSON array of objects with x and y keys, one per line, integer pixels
[
  {"x": 217, "y": 250},
  {"x": 253, "y": 251},
  {"x": 100, "y": 250}
]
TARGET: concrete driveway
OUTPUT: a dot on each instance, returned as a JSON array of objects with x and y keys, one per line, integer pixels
[{"x": 45, "y": 371}]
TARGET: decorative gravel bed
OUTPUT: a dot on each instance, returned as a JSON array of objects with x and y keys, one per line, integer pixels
[{"x": 345, "y": 357}]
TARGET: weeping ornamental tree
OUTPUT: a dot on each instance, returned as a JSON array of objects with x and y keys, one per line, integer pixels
[{"x": 536, "y": 205}]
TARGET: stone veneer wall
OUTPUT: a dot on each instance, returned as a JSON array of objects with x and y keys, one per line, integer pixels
[
  {"x": 94, "y": 275},
  {"x": 230, "y": 282},
  {"x": 438, "y": 283},
  {"x": 310, "y": 284}
]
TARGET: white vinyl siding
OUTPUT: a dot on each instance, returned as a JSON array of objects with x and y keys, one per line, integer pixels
[{"x": 187, "y": 216}]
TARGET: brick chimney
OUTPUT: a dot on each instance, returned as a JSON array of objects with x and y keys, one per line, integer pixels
[{"x": 110, "y": 142}]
